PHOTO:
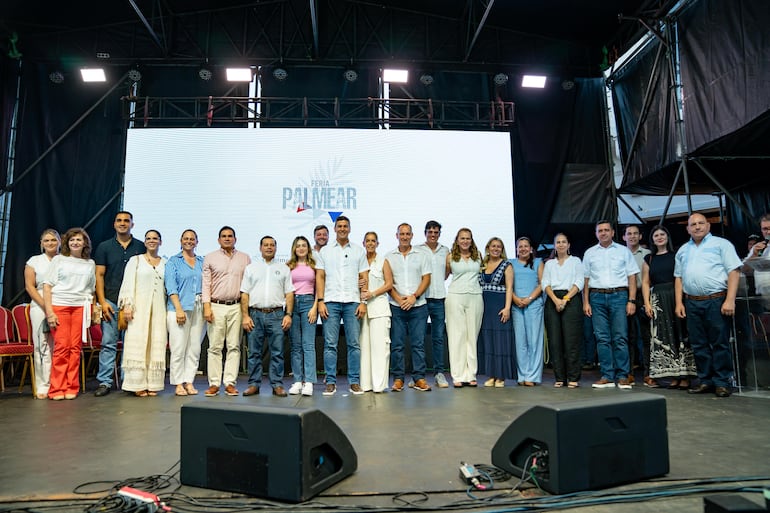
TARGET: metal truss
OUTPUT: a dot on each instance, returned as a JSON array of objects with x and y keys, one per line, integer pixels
[{"x": 151, "y": 112}]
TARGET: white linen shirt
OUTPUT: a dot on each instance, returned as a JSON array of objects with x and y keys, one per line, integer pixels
[
  {"x": 72, "y": 280},
  {"x": 610, "y": 267},
  {"x": 408, "y": 271},
  {"x": 437, "y": 259},
  {"x": 267, "y": 283},
  {"x": 342, "y": 265},
  {"x": 564, "y": 276}
]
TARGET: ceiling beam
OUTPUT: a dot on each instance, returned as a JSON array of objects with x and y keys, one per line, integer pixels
[
  {"x": 478, "y": 29},
  {"x": 314, "y": 22},
  {"x": 146, "y": 24}
]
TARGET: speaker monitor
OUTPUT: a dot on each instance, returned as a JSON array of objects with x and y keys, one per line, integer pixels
[
  {"x": 585, "y": 445},
  {"x": 288, "y": 454}
]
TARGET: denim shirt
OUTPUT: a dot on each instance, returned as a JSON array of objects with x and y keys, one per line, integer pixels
[{"x": 183, "y": 280}]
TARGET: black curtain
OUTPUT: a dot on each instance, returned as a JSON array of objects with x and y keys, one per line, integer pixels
[
  {"x": 559, "y": 151},
  {"x": 9, "y": 73},
  {"x": 76, "y": 181}
]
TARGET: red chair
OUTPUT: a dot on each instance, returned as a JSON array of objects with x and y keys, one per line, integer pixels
[{"x": 16, "y": 344}]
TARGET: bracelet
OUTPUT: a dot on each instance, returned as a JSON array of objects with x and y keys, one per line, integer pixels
[
  {"x": 632, "y": 301},
  {"x": 288, "y": 313},
  {"x": 320, "y": 300},
  {"x": 566, "y": 297}
]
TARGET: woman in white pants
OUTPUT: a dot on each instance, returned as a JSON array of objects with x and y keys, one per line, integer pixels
[
  {"x": 375, "y": 325},
  {"x": 34, "y": 272},
  {"x": 186, "y": 326},
  {"x": 464, "y": 308}
]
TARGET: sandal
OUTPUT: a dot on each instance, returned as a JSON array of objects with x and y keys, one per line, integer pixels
[
  {"x": 458, "y": 384},
  {"x": 152, "y": 393},
  {"x": 573, "y": 384},
  {"x": 558, "y": 384},
  {"x": 141, "y": 393},
  {"x": 490, "y": 382},
  {"x": 180, "y": 391},
  {"x": 191, "y": 390},
  {"x": 684, "y": 384},
  {"x": 499, "y": 383},
  {"x": 673, "y": 385},
  {"x": 473, "y": 383},
  {"x": 529, "y": 384}
]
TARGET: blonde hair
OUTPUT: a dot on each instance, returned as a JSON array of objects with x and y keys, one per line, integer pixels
[
  {"x": 486, "y": 251},
  {"x": 475, "y": 256},
  {"x": 292, "y": 263}
]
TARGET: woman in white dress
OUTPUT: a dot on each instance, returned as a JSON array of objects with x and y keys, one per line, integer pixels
[
  {"x": 142, "y": 298},
  {"x": 36, "y": 269},
  {"x": 375, "y": 325}
]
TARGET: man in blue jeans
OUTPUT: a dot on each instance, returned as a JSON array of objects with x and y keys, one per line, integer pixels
[
  {"x": 340, "y": 267},
  {"x": 408, "y": 308},
  {"x": 609, "y": 296},
  {"x": 265, "y": 289},
  {"x": 111, "y": 257},
  {"x": 706, "y": 276}
]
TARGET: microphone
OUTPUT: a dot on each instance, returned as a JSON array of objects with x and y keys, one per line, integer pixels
[{"x": 766, "y": 241}]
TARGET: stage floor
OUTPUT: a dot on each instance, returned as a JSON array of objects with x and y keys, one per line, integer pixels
[{"x": 407, "y": 443}]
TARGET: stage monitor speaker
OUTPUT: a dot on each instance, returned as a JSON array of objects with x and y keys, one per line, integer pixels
[
  {"x": 586, "y": 445},
  {"x": 289, "y": 454}
]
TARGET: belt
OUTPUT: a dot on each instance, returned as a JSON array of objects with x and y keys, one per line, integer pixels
[
  {"x": 226, "y": 301},
  {"x": 266, "y": 310},
  {"x": 709, "y": 296},
  {"x": 608, "y": 291},
  {"x": 434, "y": 299}
]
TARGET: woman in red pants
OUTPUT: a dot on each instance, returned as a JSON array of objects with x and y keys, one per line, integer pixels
[{"x": 68, "y": 291}]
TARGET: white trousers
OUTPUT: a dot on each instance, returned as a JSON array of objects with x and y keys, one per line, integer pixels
[
  {"x": 225, "y": 331},
  {"x": 184, "y": 341},
  {"x": 43, "y": 349},
  {"x": 463, "y": 322},
  {"x": 375, "y": 353}
]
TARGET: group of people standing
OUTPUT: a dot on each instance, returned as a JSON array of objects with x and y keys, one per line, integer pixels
[{"x": 491, "y": 317}]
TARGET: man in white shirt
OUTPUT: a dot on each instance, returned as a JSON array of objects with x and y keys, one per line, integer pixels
[
  {"x": 320, "y": 236},
  {"x": 339, "y": 268},
  {"x": 609, "y": 296},
  {"x": 760, "y": 251},
  {"x": 435, "y": 297},
  {"x": 265, "y": 289},
  {"x": 408, "y": 308},
  {"x": 639, "y": 323}
]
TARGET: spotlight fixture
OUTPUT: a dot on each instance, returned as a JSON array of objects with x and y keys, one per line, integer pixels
[
  {"x": 567, "y": 85},
  {"x": 57, "y": 77},
  {"x": 93, "y": 75},
  {"x": 426, "y": 79},
  {"x": 533, "y": 81},
  {"x": 395, "y": 76},
  {"x": 238, "y": 74},
  {"x": 205, "y": 74},
  {"x": 134, "y": 75},
  {"x": 350, "y": 75},
  {"x": 501, "y": 79},
  {"x": 280, "y": 74}
]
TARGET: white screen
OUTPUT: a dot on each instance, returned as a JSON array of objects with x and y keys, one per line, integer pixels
[{"x": 257, "y": 180}]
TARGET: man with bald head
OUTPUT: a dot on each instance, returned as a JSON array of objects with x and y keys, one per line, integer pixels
[{"x": 706, "y": 275}]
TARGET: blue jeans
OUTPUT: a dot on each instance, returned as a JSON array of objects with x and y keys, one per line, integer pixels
[
  {"x": 266, "y": 326},
  {"x": 437, "y": 332},
  {"x": 589, "y": 341},
  {"x": 611, "y": 331},
  {"x": 303, "y": 340},
  {"x": 109, "y": 351},
  {"x": 346, "y": 312},
  {"x": 412, "y": 321},
  {"x": 709, "y": 333}
]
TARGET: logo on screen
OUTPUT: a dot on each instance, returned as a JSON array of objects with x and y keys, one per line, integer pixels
[{"x": 328, "y": 191}]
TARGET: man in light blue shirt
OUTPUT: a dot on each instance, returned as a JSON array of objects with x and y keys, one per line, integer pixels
[
  {"x": 706, "y": 276},
  {"x": 609, "y": 296}
]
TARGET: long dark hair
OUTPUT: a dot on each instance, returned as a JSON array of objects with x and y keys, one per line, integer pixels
[
  {"x": 531, "y": 258},
  {"x": 669, "y": 245}
]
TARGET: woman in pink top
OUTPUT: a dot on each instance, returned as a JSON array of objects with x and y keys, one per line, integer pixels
[{"x": 303, "y": 323}]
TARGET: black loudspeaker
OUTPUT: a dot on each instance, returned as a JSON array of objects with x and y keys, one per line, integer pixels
[
  {"x": 585, "y": 445},
  {"x": 289, "y": 454}
]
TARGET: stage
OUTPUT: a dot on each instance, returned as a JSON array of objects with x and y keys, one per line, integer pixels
[{"x": 63, "y": 456}]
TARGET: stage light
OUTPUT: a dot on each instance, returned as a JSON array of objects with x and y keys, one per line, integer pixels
[
  {"x": 426, "y": 79},
  {"x": 280, "y": 74},
  {"x": 205, "y": 74},
  {"x": 57, "y": 77},
  {"x": 567, "y": 84},
  {"x": 134, "y": 75},
  {"x": 350, "y": 75},
  {"x": 239, "y": 74},
  {"x": 395, "y": 76},
  {"x": 534, "y": 81},
  {"x": 93, "y": 75},
  {"x": 501, "y": 79}
]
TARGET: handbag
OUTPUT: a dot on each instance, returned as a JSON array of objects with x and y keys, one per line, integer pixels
[{"x": 122, "y": 321}]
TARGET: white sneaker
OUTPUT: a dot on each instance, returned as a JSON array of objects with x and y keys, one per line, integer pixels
[
  {"x": 307, "y": 388},
  {"x": 295, "y": 388},
  {"x": 441, "y": 381}
]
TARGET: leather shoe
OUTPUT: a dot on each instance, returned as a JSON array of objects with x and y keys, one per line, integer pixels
[
  {"x": 102, "y": 391},
  {"x": 398, "y": 385},
  {"x": 722, "y": 392},
  {"x": 701, "y": 389},
  {"x": 252, "y": 390},
  {"x": 279, "y": 391}
]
